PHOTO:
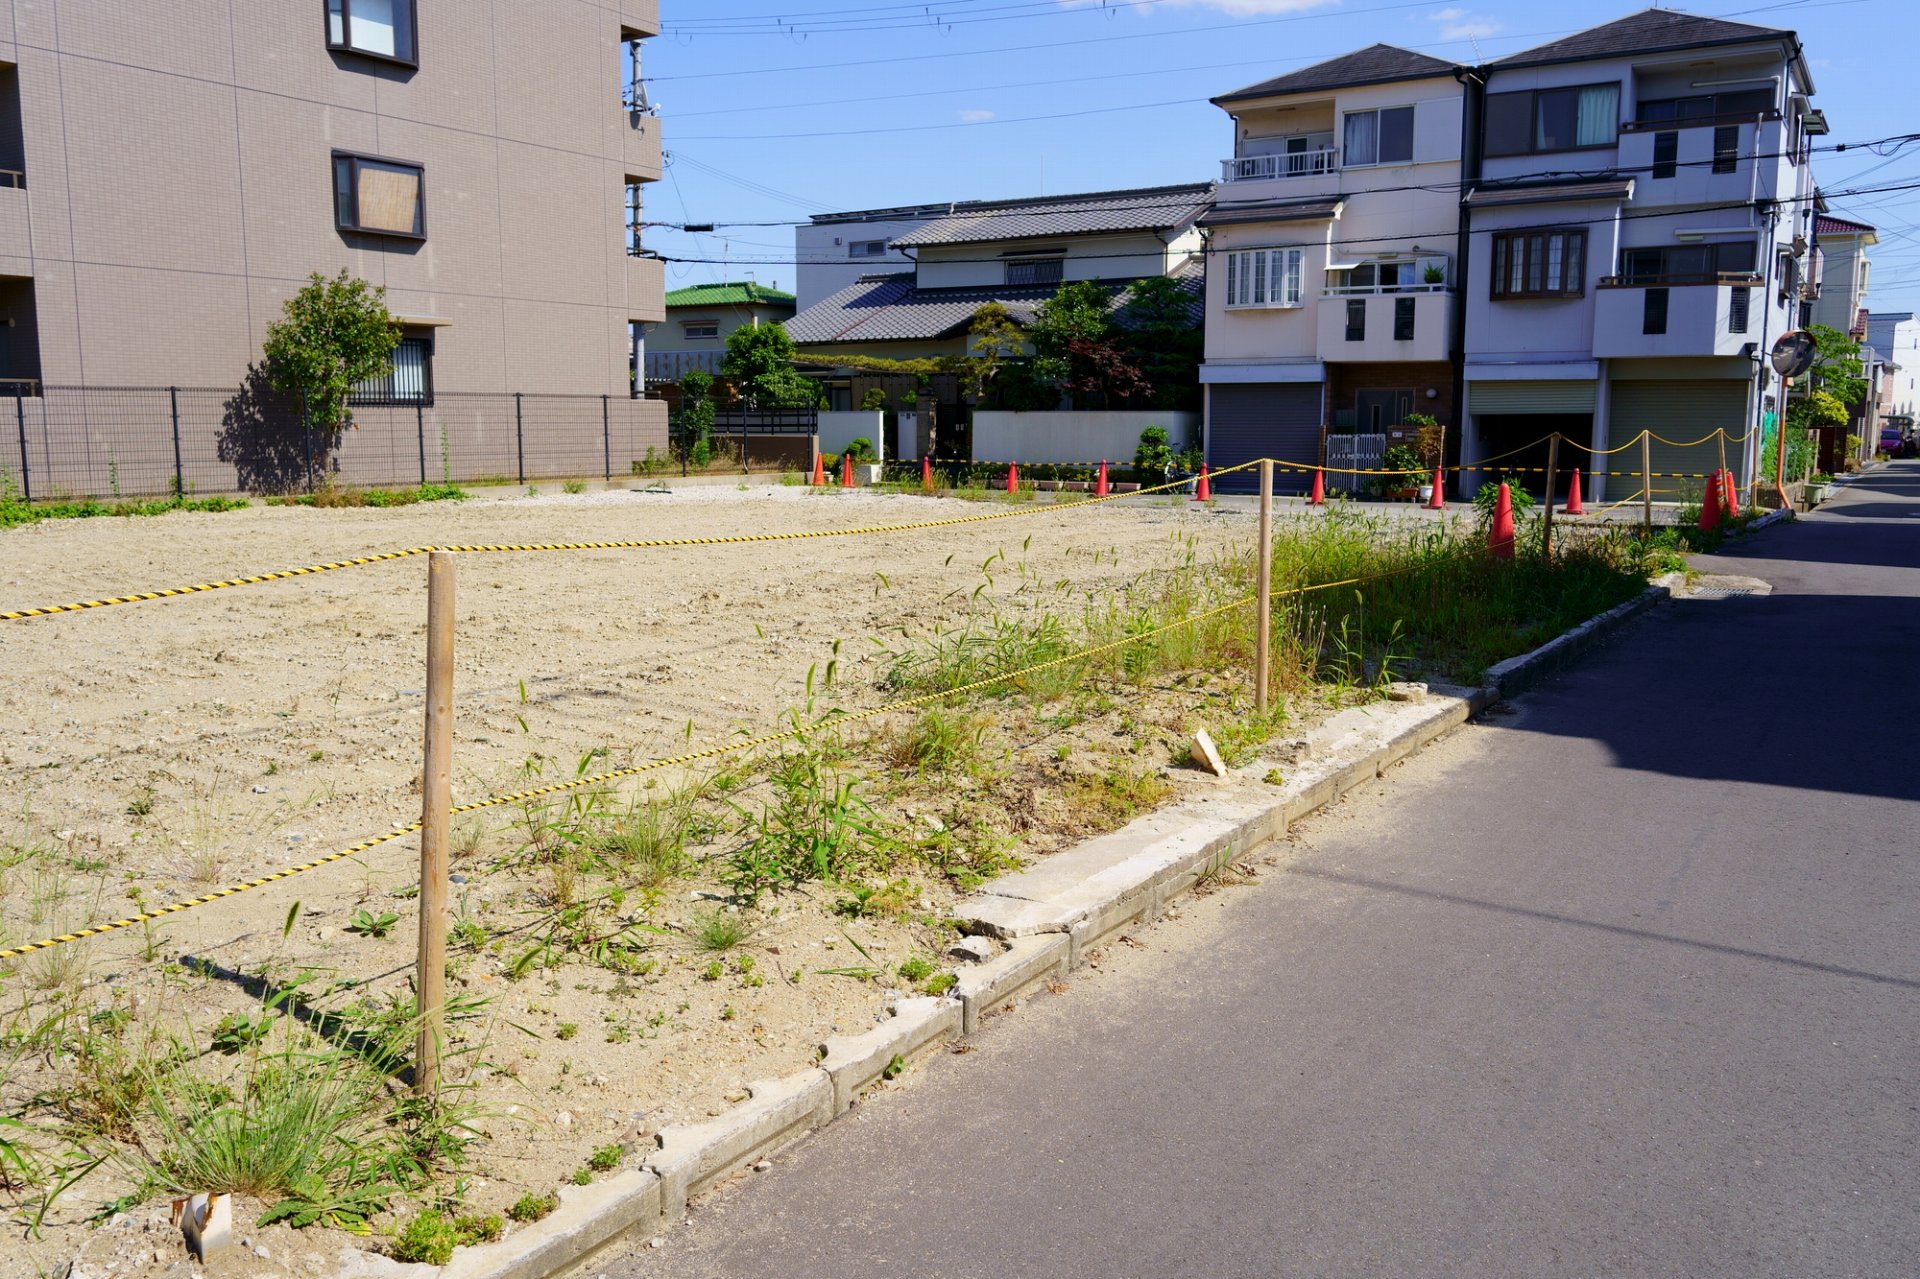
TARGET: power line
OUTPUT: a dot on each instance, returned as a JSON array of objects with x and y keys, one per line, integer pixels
[
  {"x": 1057, "y": 44},
  {"x": 1898, "y": 140},
  {"x": 1210, "y": 250},
  {"x": 804, "y": 27}
]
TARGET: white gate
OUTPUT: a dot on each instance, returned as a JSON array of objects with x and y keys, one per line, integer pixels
[{"x": 1353, "y": 453}]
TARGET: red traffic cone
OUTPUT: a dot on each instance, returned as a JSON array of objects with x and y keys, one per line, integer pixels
[
  {"x": 819, "y": 469},
  {"x": 1573, "y": 495},
  {"x": 1319, "y": 495},
  {"x": 1732, "y": 503},
  {"x": 1500, "y": 533},
  {"x": 1710, "y": 506},
  {"x": 846, "y": 470},
  {"x": 926, "y": 474},
  {"x": 1203, "y": 487},
  {"x": 1013, "y": 477},
  {"x": 1100, "y": 488},
  {"x": 1438, "y": 502}
]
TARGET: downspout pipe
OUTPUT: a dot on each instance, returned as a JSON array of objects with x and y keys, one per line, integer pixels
[{"x": 1473, "y": 84}]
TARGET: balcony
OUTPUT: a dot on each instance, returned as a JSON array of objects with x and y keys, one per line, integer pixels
[
  {"x": 1269, "y": 168},
  {"x": 1693, "y": 163},
  {"x": 15, "y": 242},
  {"x": 646, "y": 290},
  {"x": 1696, "y": 315},
  {"x": 1411, "y": 324}
]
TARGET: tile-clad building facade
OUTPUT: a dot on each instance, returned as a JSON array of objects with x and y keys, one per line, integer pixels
[{"x": 171, "y": 173}]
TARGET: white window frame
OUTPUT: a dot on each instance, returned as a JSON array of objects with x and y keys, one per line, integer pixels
[
  {"x": 687, "y": 328},
  {"x": 1266, "y": 279},
  {"x": 1347, "y": 160}
]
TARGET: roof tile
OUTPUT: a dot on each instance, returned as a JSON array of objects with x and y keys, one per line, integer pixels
[
  {"x": 1375, "y": 64},
  {"x": 982, "y": 221}
]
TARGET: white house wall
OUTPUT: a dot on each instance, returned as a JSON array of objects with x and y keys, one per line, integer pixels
[
  {"x": 1107, "y": 257},
  {"x": 825, "y": 268}
]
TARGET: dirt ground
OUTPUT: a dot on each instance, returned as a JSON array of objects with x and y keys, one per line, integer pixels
[{"x": 154, "y": 750}]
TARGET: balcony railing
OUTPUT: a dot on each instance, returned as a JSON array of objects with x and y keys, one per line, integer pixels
[
  {"x": 1266, "y": 168},
  {"x": 1369, "y": 290},
  {"x": 1698, "y": 121},
  {"x": 1652, "y": 280}
]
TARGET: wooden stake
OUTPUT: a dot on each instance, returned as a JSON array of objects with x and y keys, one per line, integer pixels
[
  {"x": 1263, "y": 573},
  {"x": 1646, "y": 480},
  {"x": 436, "y": 802},
  {"x": 1553, "y": 467}
]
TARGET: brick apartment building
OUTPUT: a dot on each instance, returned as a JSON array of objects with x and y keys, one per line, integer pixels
[{"x": 171, "y": 172}]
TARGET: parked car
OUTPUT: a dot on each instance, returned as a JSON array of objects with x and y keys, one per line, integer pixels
[{"x": 1889, "y": 441}]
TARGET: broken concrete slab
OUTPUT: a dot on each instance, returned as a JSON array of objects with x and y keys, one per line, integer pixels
[
  {"x": 692, "y": 1157},
  {"x": 588, "y": 1219},
  {"x": 855, "y": 1063}
]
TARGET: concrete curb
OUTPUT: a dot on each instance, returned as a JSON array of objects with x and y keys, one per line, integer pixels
[{"x": 1049, "y": 917}]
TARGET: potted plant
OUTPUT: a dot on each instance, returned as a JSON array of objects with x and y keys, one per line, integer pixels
[
  {"x": 1434, "y": 274},
  {"x": 1405, "y": 485},
  {"x": 1817, "y": 487}
]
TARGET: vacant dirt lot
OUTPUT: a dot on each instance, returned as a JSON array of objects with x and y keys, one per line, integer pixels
[{"x": 152, "y": 750}]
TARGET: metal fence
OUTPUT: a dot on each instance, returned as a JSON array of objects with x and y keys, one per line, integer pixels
[{"x": 106, "y": 442}]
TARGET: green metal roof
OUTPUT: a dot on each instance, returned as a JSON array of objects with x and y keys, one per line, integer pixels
[{"x": 729, "y": 293}]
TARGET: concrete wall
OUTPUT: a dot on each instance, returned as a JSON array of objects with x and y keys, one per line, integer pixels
[
  {"x": 837, "y": 430},
  {"x": 179, "y": 176},
  {"x": 1076, "y": 436}
]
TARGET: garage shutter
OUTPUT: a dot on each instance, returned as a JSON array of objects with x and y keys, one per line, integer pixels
[
  {"x": 1264, "y": 419},
  {"x": 1531, "y": 397},
  {"x": 1678, "y": 411}
]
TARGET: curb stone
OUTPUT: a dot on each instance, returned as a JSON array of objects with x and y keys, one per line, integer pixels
[
  {"x": 856, "y": 1062},
  {"x": 587, "y": 1220},
  {"x": 1028, "y": 961},
  {"x": 1049, "y": 917},
  {"x": 692, "y": 1157}
]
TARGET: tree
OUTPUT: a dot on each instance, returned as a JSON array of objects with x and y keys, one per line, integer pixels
[
  {"x": 760, "y": 362},
  {"x": 334, "y": 334},
  {"x": 696, "y": 417},
  {"x": 1074, "y": 348},
  {"x": 994, "y": 337},
  {"x": 1163, "y": 342},
  {"x": 1835, "y": 381}
]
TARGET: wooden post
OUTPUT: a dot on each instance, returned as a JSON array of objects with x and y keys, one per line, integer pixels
[
  {"x": 1720, "y": 437},
  {"x": 1646, "y": 480},
  {"x": 1553, "y": 466},
  {"x": 436, "y": 791},
  {"x": 1263, "y": 574}
]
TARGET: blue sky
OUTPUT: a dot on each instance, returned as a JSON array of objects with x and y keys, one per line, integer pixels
[{"x": 866, "y": 103}]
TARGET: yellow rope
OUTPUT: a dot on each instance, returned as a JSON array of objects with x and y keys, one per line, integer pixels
[
  {"x": 645, "y": 545},
  {"x": 711, "y": 752}
]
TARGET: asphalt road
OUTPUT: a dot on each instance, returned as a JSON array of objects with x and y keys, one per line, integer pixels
[{"x": 1623, "y": 981}]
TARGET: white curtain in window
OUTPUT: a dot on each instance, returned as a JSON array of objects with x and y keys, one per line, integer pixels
[
  {"x": 1599, "y": 116},
  {"x": 1363, "y": 137},
  {"x": 1295, "y": 262},
  {"x": 374, "y": 26},
  {"x": 1258, "y": 296},
  {"x": 410, "y": 371},
  {"x": 1556, "y": 261}
]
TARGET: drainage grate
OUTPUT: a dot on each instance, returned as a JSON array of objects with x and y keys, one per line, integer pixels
[{"x": 1723, "y": 593}]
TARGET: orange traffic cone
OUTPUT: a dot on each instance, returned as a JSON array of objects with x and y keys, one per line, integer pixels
[
  {"x": 926, "y": 474},
  {"x": 1500, "y": 533},
  {"x": 1732, "y": 503},
  {"x": 1013, "y": 477},
  {"x": 1319, "y": 495},
  {"x": 1710, "y": 506},
  {"x": 846, "y": 470},
  {"x": 1100, "y": 488},
  {"x": 1438, "y": 502},
  {"x": 1573, "y": 495},
  {"x": 819, "y": 469},
  {"x": 1203, "y": 488}
]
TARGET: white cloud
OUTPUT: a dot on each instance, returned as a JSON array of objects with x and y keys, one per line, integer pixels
[
  {"x": 975, "y": 115},
  {"x": 1457, "y": 24}
]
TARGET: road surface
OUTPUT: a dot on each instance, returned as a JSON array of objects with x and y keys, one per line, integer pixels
[{"x": 1622, "y": 981}]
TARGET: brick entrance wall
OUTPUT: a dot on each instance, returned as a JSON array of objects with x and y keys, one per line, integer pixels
[{"x": 1345, "y": 381}]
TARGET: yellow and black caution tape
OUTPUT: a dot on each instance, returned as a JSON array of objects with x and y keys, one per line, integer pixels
[
  {"x": 691, "y": 757},
  {"x": 637, "y": 545}
]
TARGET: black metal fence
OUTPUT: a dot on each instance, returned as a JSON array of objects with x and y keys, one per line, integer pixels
[{"x": 106, "y": 442}]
